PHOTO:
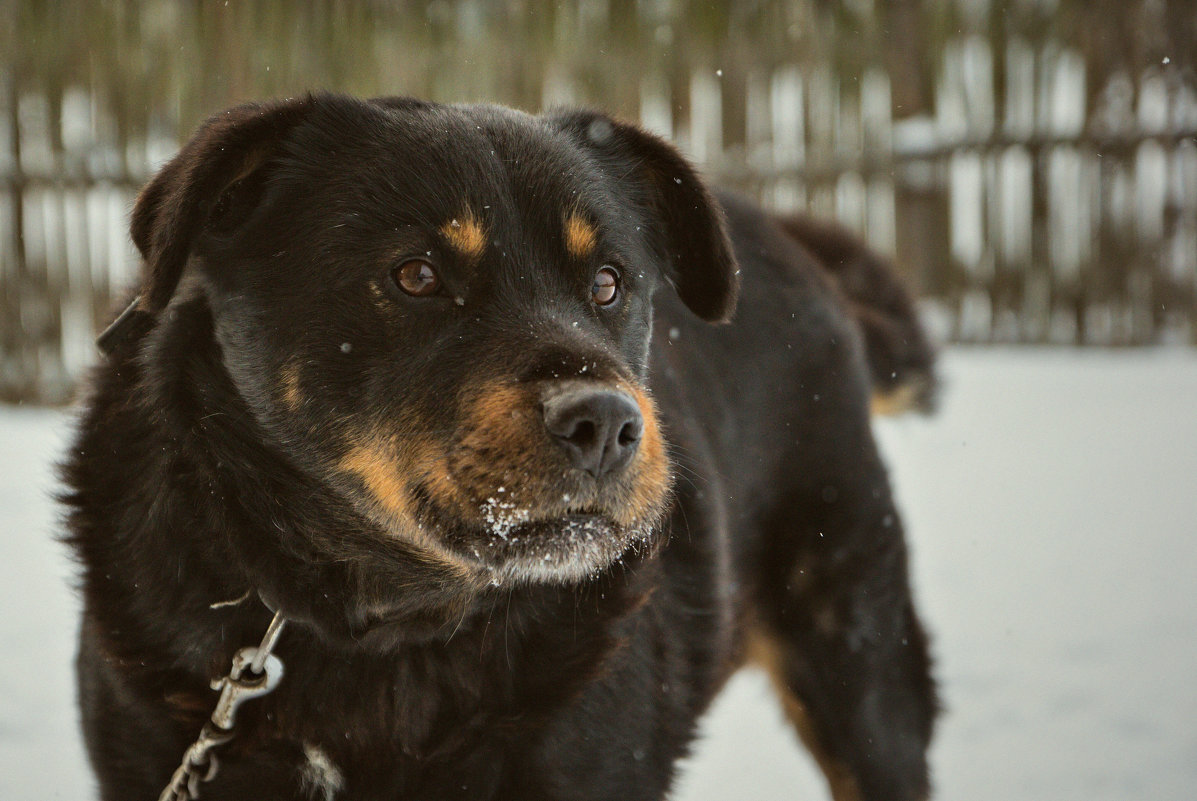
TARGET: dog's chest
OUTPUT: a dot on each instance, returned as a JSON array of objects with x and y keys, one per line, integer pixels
[{"x": 463, "y": 719}]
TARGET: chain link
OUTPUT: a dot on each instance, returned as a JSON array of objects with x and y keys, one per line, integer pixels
[{"x": 255, "y": 672}]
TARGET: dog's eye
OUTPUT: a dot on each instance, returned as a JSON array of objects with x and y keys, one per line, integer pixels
[
  {"x": 605, "y": 289},
  {"x": 417, "y": 278}
]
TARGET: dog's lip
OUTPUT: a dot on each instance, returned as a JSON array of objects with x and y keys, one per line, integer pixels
[
  {"x": 557, "y": 533},
  {"x": 584, "y": 513},
  {"x": 563, "y": 548},
  {"x": 506, "y": 511},
  {"x": 562, "y": 522}
]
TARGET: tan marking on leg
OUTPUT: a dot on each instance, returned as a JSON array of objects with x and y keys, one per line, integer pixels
[
  {"x": 466, "y": 235},
  {"x": 289, "y": 378},
  {"x": 580, "y": 237},
  {"x": 764, "y": 651},
  {"x": 898, "y": 401}
]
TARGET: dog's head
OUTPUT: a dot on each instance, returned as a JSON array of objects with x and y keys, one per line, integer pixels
[{"x": 442, "y": 313}]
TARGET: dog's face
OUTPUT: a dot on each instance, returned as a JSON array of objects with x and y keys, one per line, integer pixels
[{"x": 443, "y": 313}]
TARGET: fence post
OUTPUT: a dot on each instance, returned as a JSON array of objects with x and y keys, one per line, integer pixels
[
  {"x": 18, "y": 370},
  {"x": 706, "y": 117},
  {"x": 787, "y": 119}
]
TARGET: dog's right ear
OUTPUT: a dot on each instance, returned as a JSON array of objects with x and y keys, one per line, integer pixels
[{"x": 212, "y": 178}]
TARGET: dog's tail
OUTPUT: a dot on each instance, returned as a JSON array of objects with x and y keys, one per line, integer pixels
[{"x": 900, "y": 355}]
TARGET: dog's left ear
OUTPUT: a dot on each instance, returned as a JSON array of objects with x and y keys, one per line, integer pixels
[{"x": 692, "y": 234}]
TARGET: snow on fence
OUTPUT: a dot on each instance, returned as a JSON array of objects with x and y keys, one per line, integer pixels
[
  {"x": 1035, "y": 211},
  {"x": 1062, "y": 224}
]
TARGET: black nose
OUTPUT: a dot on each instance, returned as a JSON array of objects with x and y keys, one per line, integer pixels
[{"x": 598, "y": 428}]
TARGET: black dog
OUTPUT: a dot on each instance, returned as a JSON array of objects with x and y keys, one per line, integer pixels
[{"x": 389, "y": 373}]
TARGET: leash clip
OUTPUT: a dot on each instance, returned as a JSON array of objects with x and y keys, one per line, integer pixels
[{"x": 242, "y": 685}]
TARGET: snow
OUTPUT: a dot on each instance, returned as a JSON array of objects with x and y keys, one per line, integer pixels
[
  {"x": 41, "y": 755},
  {"x": 1052, "y": 512}
]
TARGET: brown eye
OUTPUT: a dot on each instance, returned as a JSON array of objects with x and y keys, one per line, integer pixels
[
  {"x": 417, "y": 278},
  {"x": 605, "y": 289}
]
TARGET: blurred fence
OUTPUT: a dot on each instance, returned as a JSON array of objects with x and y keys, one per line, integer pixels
[
  {"x": 1057, "y": 225},
  {"x": 1033, "y": 187}
]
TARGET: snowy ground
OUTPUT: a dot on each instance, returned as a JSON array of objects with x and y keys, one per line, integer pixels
[{"x": 1052, "y": 507}]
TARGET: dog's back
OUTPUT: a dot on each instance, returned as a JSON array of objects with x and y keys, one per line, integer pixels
[{"x": 901, "y": 358}]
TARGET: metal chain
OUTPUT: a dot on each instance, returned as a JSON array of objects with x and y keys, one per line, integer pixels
[{"x": 255, "y": 672}]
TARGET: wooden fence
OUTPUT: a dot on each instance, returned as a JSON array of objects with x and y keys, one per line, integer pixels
[
  {"x": 1061, "y": 225},
  {"x": 1033, "y": 199}
]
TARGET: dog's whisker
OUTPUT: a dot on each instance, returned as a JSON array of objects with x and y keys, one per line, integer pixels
[{"x": 233, "y": 602}]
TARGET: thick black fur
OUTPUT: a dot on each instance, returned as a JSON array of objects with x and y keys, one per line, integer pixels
[
  {"x": 901, "y": 358},
  {"x": 234, "y": 448}
]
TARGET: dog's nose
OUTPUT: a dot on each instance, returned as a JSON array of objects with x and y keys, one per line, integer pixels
[{"x": 599, "y": 429}]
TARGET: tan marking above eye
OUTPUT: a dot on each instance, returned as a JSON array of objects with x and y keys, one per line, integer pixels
[
  {"x": 466, "y": 236},
  {"x": 289, "y": 380},
  {"x": 580, "y": 237}
]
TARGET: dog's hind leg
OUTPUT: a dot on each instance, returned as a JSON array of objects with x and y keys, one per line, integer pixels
[{"x": 836, "y": 628}]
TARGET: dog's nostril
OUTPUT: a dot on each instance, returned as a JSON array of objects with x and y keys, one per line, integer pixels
[
  {"x": 583, "y": 434},
  {"x": 631, "y": 431},
  {"x": 599, "y": 429}
]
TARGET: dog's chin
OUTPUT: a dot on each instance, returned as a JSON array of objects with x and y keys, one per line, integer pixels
[{"x": 568, "y": 549}]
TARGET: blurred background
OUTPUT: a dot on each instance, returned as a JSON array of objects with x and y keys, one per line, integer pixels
[{"x": 1031, "y": 163}]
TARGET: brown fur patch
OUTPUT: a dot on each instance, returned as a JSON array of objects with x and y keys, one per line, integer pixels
[
  {"x": 652, "y": 463},
  {"x": 580, "y": 237},
  {"x": 376, "y": 464},
  {"x": 501, "y": 446},
  {"x": 186, "y": 707},
  {"x": 289, "y": 378},
  {"x": 429, "y": 466},
  {"x": 375, "y": 459},
  {"x": 465, "y": 235},
  {"x": 502, "y": 469},
  {"x": 764, "y": 651}
]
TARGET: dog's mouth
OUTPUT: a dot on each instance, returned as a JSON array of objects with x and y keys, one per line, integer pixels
[
  {"x": 515, "y": 544},
  {"x": 540, "y": 528}
]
